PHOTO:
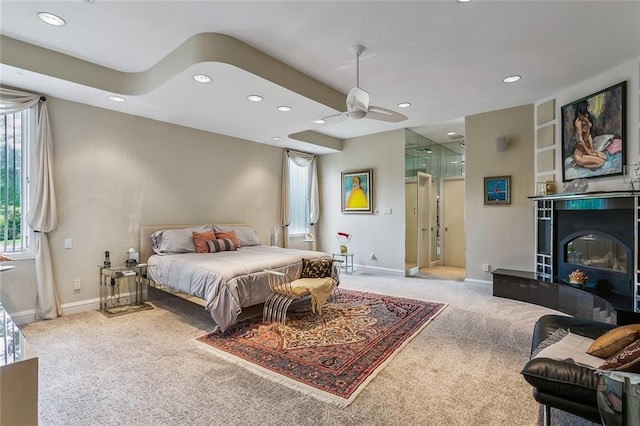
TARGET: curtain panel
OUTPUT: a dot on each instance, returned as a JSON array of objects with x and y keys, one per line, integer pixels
[{"x": 42, "y": 214}]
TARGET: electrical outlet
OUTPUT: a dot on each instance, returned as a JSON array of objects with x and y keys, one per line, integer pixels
[
  {"x": 68, "y": 243},
  {"x": 485, "y": 267},
  {"x": 77, "y": 285}
]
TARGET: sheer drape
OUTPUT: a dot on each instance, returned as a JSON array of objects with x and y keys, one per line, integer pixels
[
  {"x": 302, "y": 159},
  {"x": 42, "y": 214}
]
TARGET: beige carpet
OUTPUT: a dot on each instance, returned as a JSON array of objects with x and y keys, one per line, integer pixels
[{"x": 146, "y": 369}]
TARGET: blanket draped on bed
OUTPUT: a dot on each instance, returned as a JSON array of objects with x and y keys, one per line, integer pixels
[{"x": 227, "y": 281}]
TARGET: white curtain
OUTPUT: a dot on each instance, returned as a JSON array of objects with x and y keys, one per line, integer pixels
[
  {"x": 302, "y": 159},
  {"x": 42, "y": 214}
]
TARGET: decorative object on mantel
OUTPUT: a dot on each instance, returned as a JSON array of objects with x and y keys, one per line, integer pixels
[
  {"x": 576, "y": 186},
  {"x": 578, "y": 277},
  {"x": 545, "y": 188},
  {"x": 632, "y": 175}
]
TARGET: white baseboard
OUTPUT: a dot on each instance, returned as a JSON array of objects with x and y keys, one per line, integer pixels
[
  {"x": 377, "y": 268},
  {"x": 23, "y": 317},
  {"x": 26, "y": 317},
  {"x": 81, "y": 306},
  {"x": 471, "y": 280}
]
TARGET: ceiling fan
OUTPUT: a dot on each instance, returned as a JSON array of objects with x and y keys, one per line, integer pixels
[{"x": 358, "y": 103}]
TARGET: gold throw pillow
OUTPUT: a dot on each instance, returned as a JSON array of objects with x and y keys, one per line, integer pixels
[{"x": 613, "y": 341}]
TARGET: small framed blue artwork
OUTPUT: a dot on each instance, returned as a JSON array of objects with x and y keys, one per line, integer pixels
[{"x": 497, "y": 190}]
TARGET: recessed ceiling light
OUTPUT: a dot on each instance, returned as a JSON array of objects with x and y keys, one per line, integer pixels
[
  {"x": 255, "y": 98},
  {"x": 451, "y": 133},
  {"x": 51, "y": 19},
  {"x": 116, "y": 98},
  {"x": 464, "y": 1},
  {"x": 511, "y": 79},
  {"x": 284, "y": 108},
  {"x": 202, "y": 78},
  {"x": 276, "y": 138},
  {"x": 404, "y": 105},
  {"x": 320, "y": 121}
]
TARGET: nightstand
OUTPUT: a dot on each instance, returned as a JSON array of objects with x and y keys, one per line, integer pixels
[{"x": 116, "y": 297}]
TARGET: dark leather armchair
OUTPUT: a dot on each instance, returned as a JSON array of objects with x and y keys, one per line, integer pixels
[{"x": 564, "y": 385}]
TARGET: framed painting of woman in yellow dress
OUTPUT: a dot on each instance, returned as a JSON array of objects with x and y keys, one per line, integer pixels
[{"x": 357, "y": 191}]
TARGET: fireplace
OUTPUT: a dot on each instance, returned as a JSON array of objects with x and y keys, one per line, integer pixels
[
  {"x": 597, "y": 238},
  {"x": 597, "y": 234}
]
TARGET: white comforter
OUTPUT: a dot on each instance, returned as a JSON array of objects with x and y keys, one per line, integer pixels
[{"x": 229, "y": 280}]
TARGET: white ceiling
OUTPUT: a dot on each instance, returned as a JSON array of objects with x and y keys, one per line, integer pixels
[{"x": 447, "y": 58}]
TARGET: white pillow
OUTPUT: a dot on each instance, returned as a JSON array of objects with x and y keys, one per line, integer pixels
[
  {"x": 172, "y": 241},
  {"x": 247, "y": 236}
]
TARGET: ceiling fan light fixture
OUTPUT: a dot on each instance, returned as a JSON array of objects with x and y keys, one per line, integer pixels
[
  {"x": 51, "y": 19},
  {"x": 202, "y": 78},
  {"x": 255, "y": 98},
  {"x": 284, "y": 108},
  {"x": 404, "y": 105},
  {"x": 357, "y": 115}
]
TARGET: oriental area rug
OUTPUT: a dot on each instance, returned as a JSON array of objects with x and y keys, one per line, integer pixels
[{"x": 330, "y": 357}]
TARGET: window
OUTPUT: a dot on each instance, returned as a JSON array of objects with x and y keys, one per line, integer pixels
[
  {"x": 299, "y": 190},
  {"x": 16, "y": 133}
]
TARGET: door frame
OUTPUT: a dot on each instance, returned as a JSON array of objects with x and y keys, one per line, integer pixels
[{"x": 424, "y": 220}]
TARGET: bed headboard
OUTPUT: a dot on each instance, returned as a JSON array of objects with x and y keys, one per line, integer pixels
[{"x": 147, "y": 230}]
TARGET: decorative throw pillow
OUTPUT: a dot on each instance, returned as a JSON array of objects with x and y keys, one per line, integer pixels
[
  {"x": 221, "y": 244},
  {"x": 200, "y": 239},
  {"x": 316, "y": 268},
  {"x": 247, "y": 236},
  {"x": 230, "y": 235},
  {"x": 614, "y": 340},
  {"x": 628, "y": 359}
]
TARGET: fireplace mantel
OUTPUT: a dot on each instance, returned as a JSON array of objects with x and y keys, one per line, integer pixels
[
  {"x": 586, "y": 195},
  {"x": 608, "y": 215}
]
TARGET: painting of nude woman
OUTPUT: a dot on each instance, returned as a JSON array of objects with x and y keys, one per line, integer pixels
[{"x": 593, "y": 135}]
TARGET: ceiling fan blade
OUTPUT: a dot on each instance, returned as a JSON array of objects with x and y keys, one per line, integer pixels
[
  {"x": 384, "y": 114},
  {"x": 335, "y": 119}
]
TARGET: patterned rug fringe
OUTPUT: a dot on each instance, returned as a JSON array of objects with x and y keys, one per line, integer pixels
[{"x": 309, "y": 390}]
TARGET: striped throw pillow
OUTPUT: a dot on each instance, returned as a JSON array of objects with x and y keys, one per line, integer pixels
[{"x": 221, "y": 244}]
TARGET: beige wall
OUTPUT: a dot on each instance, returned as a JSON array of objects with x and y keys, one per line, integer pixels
[
  {"x": 501, "y": 236},
  {"x": 115, "y": 172},
  {"x": 378, "y": 233}
]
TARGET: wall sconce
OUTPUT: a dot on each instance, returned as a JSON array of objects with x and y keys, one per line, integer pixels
[{"x": 502, "y": 144}]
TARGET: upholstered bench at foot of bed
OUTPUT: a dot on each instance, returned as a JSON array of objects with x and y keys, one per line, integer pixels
[
  {"x": 284, "y": 293},
  {"x": 561, "y": 384}
]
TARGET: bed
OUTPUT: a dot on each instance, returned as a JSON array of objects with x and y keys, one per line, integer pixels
[{"x": 223, "y": 282}]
